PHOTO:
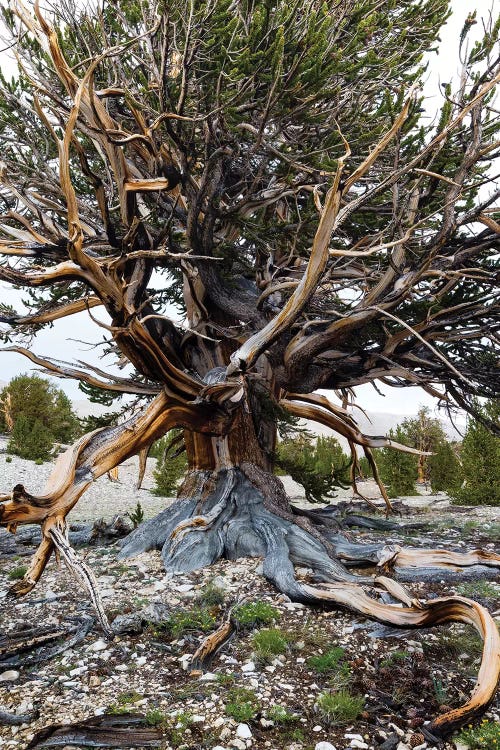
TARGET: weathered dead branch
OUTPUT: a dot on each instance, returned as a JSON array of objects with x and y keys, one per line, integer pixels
[
  {"x": 30, "y": 646},
  {"x": 127, "y": 730}
]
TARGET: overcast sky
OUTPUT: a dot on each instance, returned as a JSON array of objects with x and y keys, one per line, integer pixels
[{"x": 58, "y": 342}]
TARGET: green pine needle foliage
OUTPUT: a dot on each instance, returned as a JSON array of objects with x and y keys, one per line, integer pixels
[
  {"x": 398, "y": 470},
  {"x": 480, "y": 458},
  {"x": 319, "y": 467},
  {"x": 170, "y": 467},
  {"x": 30, "y": 439},
  {"x": 36, "y": 398},
  {"x": 444, "y": 468}
]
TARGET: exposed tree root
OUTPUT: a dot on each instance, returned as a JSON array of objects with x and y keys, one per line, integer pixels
[
  {"x": 84, "y": 574},
  {"x": 231, "y": 518},
  {"x": 240, "y": 512}
]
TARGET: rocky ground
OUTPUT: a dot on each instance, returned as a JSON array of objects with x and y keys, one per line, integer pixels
[{"x": 266, "y": 687}]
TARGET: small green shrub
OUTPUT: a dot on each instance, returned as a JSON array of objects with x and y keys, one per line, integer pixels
[
  {"x": 268, "y": 643},
  {"x": 8, "y": 459},
  {"x": 254, "y": 613},
  {"x": 123, "y": 702},
  {"x": 225, "y": 679},
  {"x": 484, "y": 737},
  {"x": 194, "y": 619},
  {"x": 280, "y": 715},
  {"x": 328, "y": 662},
  {"x": 137, "y": 515},
  {"x": 341, "y": 707},
  {"x": 115, "y": 710},
  {"x": 210, "y": 596},
  {"x": 130, "y": 696},
  {"x": 155, "y": 717},
  {"x": 242, "y": 704},
  {"x": 17, "y": 573},
  {"x": 297, "y": 735}
]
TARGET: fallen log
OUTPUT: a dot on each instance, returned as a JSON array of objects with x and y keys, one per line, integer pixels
[
  {"x": 24, "y": 648},
  {"x": 13, "y": 720},
  {"x": 211, "y": 645},
  {"x": 98, "y": 533},
  {"x": 127, "y": 730}
]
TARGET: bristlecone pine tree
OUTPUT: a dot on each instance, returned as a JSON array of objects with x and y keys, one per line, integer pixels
[{"x": 268, "y": 167}]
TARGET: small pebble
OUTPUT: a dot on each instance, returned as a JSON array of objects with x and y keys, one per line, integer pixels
[{"x": 99, "y": 645}]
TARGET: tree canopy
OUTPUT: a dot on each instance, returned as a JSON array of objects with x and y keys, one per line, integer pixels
[
  {"x": 268, "y": 168},
  {"x": 36, "y": 398}
]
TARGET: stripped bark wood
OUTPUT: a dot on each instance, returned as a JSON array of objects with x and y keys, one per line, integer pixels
[
  {"x": 127, "y": 730},
  {"x": 13, "y": 720},
  {"x": 29, "y": 647}
]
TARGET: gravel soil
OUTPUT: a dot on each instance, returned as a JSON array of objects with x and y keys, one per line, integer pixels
[{"x": 403, "y": 678}]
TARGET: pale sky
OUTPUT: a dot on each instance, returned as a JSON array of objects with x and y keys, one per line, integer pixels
[{"x": 57, "y": 341}]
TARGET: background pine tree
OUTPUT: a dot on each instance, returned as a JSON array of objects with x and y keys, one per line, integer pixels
[
  {"x": 318, "y": 466},
  {"x": 399, "y": 471},
  {"x": 445, "y": 472},
  {"x": 480, "y": 458},
  {"x": 36, "y": 398},
  {"x": 30, "y": 439},
  {"x": 170, "y": 467}
]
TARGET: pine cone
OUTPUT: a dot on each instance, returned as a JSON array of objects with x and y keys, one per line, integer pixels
[
  {"x": 416, "y": 740},
  {"x": 417, "y": 721}
]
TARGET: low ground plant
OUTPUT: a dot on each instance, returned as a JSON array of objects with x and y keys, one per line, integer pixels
[
  {"x": 395, "y": 657},
  {"x": 189, "y": 620},
  {"x": 269, "y": 643},
  {"x": 254, "y": 613},
  {"x": 327, "y": 662},
  {"x": 210, "y": 595},
  {"x": 484, "y": 737},
  {"x": 17, "y": 572},
  {"x": 281, "y": 715},
  {"x": 242, "y": 704},
  {"x": 340, "y": 707},
  {"x": 155, "y": 717},
  {"x": 478, "y": 588}
]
